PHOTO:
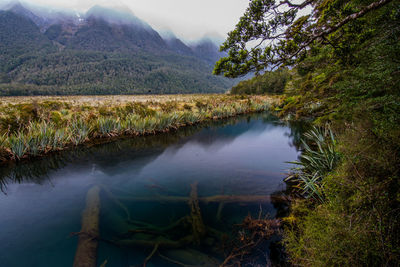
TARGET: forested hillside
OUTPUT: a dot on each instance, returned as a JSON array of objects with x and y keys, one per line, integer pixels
[
  {"x": 270, "y": 82},
  {"x": 103, "y": 52},
  {"x": 345, "y": 77}
]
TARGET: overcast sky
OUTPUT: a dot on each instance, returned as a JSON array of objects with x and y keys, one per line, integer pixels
[{"x": 188, "y": 19}]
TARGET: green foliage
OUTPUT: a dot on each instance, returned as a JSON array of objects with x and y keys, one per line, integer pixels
[
  {"x": 14, "y": 39},
  {"x": 169, "y": 106},
  {"x": 3, "y": 139},
  {"x": 41, "y": 136},
  {"x": 79, "y": 131},
  {"x": 345, "y": 57},
  {"x": 130, "y": 123},
  {"x": 357, "y": 224},
  {"x": 59, "y": 125},
  {"x": 285, "y": 38},
  {"x": 108, "y": 126},
  {"x": 18, "y": 145},
  {"x": 319, "y": 158},
  {"x": 200, "y": 105},
  {"x": 143, "y": 110},
  {"x": 271, "y": 82},
  {"x": 358, "y": 94}
]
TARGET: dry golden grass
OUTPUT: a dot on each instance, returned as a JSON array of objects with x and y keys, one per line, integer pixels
[
  {"x": 114, "y": 100},
  {"x": 34, "y": 126}
]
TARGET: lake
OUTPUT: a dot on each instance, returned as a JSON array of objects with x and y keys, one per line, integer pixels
[{"x": 145, "y": 185}]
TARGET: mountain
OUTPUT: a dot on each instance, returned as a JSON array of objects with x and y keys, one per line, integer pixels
[
  {"x": 109, "y": 30},
  {"x": 20, "y": 41},
  {"x": 207, "y": 50},
  {"x": 20, "y": 10},
  {"x": 175, "y": 44},
  {"x": 104, "y": 51},
  {"x": 113, "y": 16}
]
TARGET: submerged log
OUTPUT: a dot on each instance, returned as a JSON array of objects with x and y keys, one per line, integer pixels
[
  {"x": 86, "y": 252},
  {"x": 189, "y": 257},
  {"x": 219, "y": 211},
  {"x": 160, "y": 242},
  {"x": 236, "y": 199},
  {"x": 116, "y": 201},
  {"x": 156, "y": 198},
  {"x": 251, "y": 199},
  {"x": 157, "y": 229},
  {"x": 198, "y": 227}
]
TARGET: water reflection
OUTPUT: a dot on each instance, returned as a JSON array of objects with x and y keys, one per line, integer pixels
[
  {"x": 211, "y": 135},
  {"x": 44, "y": 198}
]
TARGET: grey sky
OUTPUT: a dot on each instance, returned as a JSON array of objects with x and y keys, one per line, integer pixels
[{"x": 188, "y": 19}]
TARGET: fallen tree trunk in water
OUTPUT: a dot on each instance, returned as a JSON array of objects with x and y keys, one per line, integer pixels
[
  {"x": 159, "y": 241},
  {"x": 86, "y": 252},
  {"x": 198, "y": 228},
  {"x": 206, "y": 200},
  {"x": 188, "y": 257},
  {"x": 236, "y": 199}
]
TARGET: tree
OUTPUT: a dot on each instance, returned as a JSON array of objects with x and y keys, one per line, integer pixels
[{"x": 273, "y": 33}]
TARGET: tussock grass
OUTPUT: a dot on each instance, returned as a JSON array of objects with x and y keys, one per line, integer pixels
[{"x": 32, "y": 127}]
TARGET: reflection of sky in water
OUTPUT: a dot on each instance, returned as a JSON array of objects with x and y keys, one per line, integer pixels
[
  {"x": 256, "y": 153},
  {"x": 243, "y": 158}
]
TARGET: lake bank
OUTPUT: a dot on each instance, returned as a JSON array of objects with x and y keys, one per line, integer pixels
[{"x": 36, "y": 126}]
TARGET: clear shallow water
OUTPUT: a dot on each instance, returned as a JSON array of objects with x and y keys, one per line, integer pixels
[{"x": 42, "y": 201}]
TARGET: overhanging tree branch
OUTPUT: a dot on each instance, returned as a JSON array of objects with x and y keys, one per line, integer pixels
[
  {"x": 353, "y": 16},
  {"x": 340, "y": 24},
  {"x": 302, "y": 5},
  {"x": 284, "y": 37}
]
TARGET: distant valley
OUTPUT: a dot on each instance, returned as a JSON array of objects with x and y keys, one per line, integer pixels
[{"x": 103, "y": 51}]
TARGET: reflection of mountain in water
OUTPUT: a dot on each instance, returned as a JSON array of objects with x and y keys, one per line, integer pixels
[
  {"x": 220, "y": 133},
  {"x": 138, "y": 152}
]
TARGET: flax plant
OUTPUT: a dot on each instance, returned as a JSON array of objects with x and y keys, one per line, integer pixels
[
  {"x": 36, "y": 129},
  {"x": 318, "y": 159},
  {"x": 79, "y": 132},
  {"x": 18, "y": 145},
  {"x": 108, "y": 126}
]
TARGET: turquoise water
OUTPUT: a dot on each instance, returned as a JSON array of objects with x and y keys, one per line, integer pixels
[{"x": 42, "y": 201}]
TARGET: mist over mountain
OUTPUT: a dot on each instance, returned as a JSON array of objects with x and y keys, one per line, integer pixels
[
  {"x": 104, "y": 51},
  {"x": 207, "y": 50}
]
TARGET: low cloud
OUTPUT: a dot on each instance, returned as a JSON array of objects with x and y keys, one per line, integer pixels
[{"x": 188, "y": 19}]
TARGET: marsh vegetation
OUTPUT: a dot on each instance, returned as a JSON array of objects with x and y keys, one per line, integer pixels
[{"x": 31, "y": 127}]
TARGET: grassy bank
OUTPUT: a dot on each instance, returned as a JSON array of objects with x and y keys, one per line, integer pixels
[{"x": 35, "y": 126}]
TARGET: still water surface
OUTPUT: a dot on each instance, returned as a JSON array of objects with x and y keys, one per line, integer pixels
[{"x": 42, "y": 201}]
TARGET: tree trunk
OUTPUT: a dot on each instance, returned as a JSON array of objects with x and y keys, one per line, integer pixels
[{"x": 86, "y": 252}]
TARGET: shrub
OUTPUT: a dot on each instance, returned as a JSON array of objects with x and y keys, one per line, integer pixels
[{"x": 319, "y": 157}]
